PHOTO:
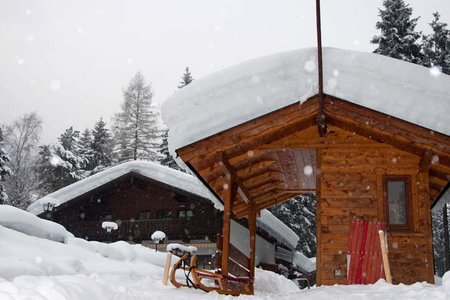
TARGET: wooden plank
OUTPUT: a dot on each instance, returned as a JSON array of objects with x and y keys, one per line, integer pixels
[{"x": 226, "y": 228}]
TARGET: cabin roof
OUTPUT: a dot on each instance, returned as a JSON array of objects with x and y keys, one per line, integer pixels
[
  {"x": 254, "y": 88},
  {"x": 235, "y": 121},
  {"x": 183, "y": 181},
  {"x": 169, "y": 176}
]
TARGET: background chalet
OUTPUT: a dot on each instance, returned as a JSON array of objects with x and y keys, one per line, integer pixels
[{"x": 142, "y": 197}]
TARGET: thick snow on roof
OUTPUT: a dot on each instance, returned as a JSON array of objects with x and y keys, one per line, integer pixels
[
  {"x": 277, "y": 229},
  {"x": 251, "y": 89},
  {"x": 148, "y": 169}
]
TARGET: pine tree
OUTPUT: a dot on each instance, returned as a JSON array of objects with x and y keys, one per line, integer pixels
[
  {"x": 101, "y": 146},
  {"x": 4, "y": 169},
  {"x": 436, "y": 46},
  {"x": 167, "y": 159},
  {"x": 136, "y": 127},
  {"x": 398, "y": 38},
  {"x": 186, "y": 78},
  {"x": 86, "y": 152},
  {"x": 62, "y": 163},
  {"x": 299, "y": 214}
]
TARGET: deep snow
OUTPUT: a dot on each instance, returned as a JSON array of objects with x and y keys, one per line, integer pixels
[{"x": 40, "y": 268}]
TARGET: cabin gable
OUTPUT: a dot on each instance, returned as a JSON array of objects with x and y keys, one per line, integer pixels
[{"x": 269, "y": 156}]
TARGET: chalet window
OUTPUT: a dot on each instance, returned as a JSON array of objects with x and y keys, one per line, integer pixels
[
  {"x": 164, "y": 214},
  {"x": 397, "y": 193},
  {"x": 185, "y": 214},
  {"x": 145, "y": 215}
]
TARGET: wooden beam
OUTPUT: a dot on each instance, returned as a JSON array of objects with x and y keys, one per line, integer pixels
[
  {"x": 241, "y": 189},
  {"x": 252, "y": 232},
  {"x": 226, "y": 228}
]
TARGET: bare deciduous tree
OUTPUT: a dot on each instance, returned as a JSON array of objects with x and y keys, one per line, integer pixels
[{"x": 21, "y": 139}]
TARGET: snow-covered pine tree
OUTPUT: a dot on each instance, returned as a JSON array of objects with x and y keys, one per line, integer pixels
[
  {"x": 101, "y": 146},
  {"x": 62, "y": 163},
  {"x": 299, "y": 214},
  {"x": 4, "y": 169},
  {"x": 136, "y": 129},
  {"x": 398, "y": 38},
  {"x": 438, "y": 242},
  {"x": 186, "y": 78},
  {"x": 167, "y": 159},
  {"x": 86, "y": 152},
  {"x": 436, "y": 46}
]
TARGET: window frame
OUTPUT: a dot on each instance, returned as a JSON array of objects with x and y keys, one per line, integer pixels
[{"x": 408, "y": 202}]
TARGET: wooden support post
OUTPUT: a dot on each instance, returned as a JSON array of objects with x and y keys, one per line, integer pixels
[
  {"x": 384, "y": 253},
  {"x": 446, "y": 237},
  {"x": 167, "y": 268},
  {"x": 252, "y": 231},
  {"x": 226, "y": 229}
]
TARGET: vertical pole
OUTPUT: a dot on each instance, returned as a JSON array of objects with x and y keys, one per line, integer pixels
[
  {"x": 252, "y": 231},
  {"x": 446, "y": 238},
  {"x": 321, "y": 118},
  {"x": 226, "y": 229}
]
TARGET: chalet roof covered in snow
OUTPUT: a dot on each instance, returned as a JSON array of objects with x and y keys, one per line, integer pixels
[
  {"x": 183, "y": 181},
  {"x": 254, "y": 88},
  {"x": 169, "y": 176}
]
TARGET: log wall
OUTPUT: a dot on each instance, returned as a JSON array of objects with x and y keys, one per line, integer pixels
[{"x": 351, "y": 186}]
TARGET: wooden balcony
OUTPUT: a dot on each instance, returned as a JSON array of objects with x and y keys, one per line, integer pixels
[{"x": 138, "y": 230}]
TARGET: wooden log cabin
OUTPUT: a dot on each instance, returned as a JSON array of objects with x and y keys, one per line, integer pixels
[
  {"x": 143, "y": 197},
  {"x": 251, "y": 133}
]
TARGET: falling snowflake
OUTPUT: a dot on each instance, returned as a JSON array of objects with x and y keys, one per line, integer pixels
[
  {"x": 80, "y": 30},
  {"x": 250, "y": 153},
  {"x": 19, "y": 60},
  {"x": 28, "y": 12},
  {"x": 394, "y": 160},
  {"x": 225, "y": 186},
  {"x": 332, "y": 83},
  {"x": 259, "y": 99},
  {"x": 55, "y": 85},
  {"x": 336, "y": 72},
  {"x": 310, "y": 66},
  {"x": 38, "y": 259},
  {"x": 435, "y": 71},
  {"x": 308, "y": 170},
  {"x": 30, "y": 38},
  {"x": 435, "y": 159},
  {"x": 130, "y": 60}
]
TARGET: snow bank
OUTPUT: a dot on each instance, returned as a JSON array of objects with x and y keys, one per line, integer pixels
[
  {"x": 37, "y": 268},
  {"x": 251, "y": 89},
  {"x": 148, "y": 169},
  {"x": 188, "y": 249},
  {"x": 17, "y": 219}
]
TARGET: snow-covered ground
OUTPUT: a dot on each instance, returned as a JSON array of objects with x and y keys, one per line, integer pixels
[{"x": 43, "y": 267}]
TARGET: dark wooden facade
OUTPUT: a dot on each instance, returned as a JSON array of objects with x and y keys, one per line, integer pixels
[
  {"x": 140, "y": 206},
  {"x": 263, "y": 162}
]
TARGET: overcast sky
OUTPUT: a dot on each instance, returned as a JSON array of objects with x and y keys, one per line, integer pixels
[{"x": 70, "y": 60}]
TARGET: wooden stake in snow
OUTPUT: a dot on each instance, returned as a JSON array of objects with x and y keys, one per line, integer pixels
[
  {"x": 167, "y": 268},
  {"x": 384, "y": 253}
]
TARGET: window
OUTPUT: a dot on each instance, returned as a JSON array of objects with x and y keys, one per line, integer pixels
[
  {"x": 185, "y": 214},
  {"x": 164, "y": 214},
  {"x": 145, "y": 215},
  {"x": 397, "y": 193}
]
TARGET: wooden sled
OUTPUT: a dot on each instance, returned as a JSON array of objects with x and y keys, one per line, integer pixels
[{"x": 195, "y": 278}]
